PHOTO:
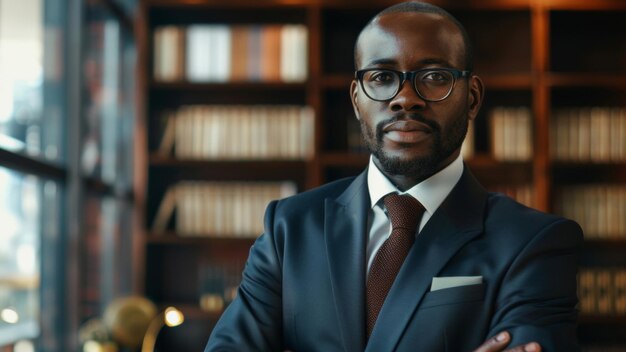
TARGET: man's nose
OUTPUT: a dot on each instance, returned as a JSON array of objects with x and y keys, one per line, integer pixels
[{"x": 407, "y": 98}]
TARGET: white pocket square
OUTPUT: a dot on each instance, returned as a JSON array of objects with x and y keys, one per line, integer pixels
[{"x": 439, "y": 283}]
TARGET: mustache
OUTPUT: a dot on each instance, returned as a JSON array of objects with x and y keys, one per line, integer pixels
[{"x": 436, "y": 128}]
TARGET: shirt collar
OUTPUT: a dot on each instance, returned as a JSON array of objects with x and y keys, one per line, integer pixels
[{"x": 431, "y": 192}]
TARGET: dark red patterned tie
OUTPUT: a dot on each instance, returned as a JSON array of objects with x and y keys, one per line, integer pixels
[{"x": 405, "y": 213}]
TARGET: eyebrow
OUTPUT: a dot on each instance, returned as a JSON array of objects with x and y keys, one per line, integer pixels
[
  {"x": 378, "y": 62},
  {"x": 435, "y": 61},
  {"x": 424, "y": 62}
]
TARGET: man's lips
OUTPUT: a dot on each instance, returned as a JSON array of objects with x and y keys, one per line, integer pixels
[{"x": 406, "y": 131}]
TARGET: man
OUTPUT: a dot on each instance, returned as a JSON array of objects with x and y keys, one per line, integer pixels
[{"x": 338, "y": 269}]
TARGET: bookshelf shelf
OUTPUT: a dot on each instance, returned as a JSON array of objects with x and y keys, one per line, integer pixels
[
  {"x": 508, "y": 81},
  {"x": 599, "y": 319},
  {"x": 532, "y": 62},
  {"x": 567, "y": 80},
  {"x": 492, "y": 172},
  {"x": 240, "y": 5},
  {"x": 344, "y": 159},
  {"x": 488, "y": 161},
  {"x": 337, "y": 81},
  {"x": 175, "y": 169},
  {"x": 183, "y": 87},
  {"x": 157, "y": 160},
  {"x": 258, "y": 93},
  {"x": 583, "y": 5},
  {"x": 606, "y": 243},
  {"x": 588, "y": 172}
]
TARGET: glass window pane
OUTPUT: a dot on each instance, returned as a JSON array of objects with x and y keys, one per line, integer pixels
[
  {"x": 30, "y": 67},
  {"x": 107, "y": 253},
  {"x": 127, "y": 108},
  {"x": 52, "y": 314},
  {"x": 109, "y": 110},
  {"x": 20, "y": 216}
]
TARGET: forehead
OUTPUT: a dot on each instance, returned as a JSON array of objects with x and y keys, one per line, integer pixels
[{"x": 411, "y": 39}]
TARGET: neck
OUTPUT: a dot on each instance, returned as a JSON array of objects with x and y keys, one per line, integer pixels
[
  {"x": 402, "y": 182},
  {"x": 406, "y": 182}
]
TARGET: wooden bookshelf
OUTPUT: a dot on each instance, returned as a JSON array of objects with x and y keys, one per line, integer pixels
[{"x": 544, "y": 55}]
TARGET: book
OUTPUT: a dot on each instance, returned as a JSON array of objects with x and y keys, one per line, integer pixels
[
  {"x": 270, "y": 53},
  {"x": 294, "y": 53},
  {"x": 604, "y": 291},
  {"x": 221, "y": 52},
  {"x": 169, "y": 53},
  {"x": 165, "y": 211},
  {"x": 619, "y": 285},
  {"x": 255, "y": 50},
  {"x": 586, "y": 291},
  {"x": 169, "y": 134},
  {"x": 218, "y": 209},
  {"x": 240, "y": 53},
  {"x": 199, "y": 60}
]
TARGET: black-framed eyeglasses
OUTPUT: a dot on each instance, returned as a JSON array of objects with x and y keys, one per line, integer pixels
[{"x": 431, "y": 84}]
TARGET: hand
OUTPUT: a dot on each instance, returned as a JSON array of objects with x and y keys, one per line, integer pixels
[{"x": 500, "y": 341}]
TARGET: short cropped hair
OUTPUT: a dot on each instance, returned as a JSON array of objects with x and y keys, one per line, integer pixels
[{"x": 422, "y": 7}]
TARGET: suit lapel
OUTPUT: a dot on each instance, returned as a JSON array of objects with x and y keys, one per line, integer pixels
[
  {"x": 345, "y": 230},
  {"x": 457, "y": 221}
]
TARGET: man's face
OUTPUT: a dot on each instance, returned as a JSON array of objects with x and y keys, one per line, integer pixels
[{"x": 407, "y": 135}]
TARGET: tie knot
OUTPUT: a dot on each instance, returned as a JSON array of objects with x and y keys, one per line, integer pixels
[{"x": 404, "y": 211}]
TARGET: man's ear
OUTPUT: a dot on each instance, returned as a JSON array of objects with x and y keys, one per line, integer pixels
[
  {"x": 475, "y": 96},
  {"x": 354, "y": 88}
]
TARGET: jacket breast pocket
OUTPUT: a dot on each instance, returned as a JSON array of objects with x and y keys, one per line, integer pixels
[{"x": 453, "y": 295}]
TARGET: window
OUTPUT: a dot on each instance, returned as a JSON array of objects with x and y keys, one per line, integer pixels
[
  {"x": 66, "y": 159},
  {"x": 29, "y": 63},
  {"x": 30, "y": 125},
  {"x": 20, "y": 214}
]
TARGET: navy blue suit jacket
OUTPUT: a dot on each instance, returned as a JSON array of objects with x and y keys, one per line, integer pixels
[{"x": 303, "y": 287}]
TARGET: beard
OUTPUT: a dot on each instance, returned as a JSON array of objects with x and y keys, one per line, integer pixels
[{"x": 445, "y": 142}]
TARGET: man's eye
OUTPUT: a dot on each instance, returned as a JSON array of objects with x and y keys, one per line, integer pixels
[
  {"x": 435, "y": 76},
  {"x": 381, "y": 77}
]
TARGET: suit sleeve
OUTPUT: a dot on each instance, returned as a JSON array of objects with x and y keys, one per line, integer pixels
[
  {"x": 537, "y": 299},
  {"x": 253, "y": 321}
]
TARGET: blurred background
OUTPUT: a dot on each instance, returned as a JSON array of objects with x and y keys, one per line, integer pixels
[{"x": 140, "y": 141}]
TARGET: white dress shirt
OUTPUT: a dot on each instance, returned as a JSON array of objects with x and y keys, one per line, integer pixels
[{"x": 430, "y": 192}]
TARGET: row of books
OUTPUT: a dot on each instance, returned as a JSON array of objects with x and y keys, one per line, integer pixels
[
  {"x": 222, "y": 53},
  {"x": 511, "y": 133},
  {"x": 598, "y": 208},
  {"x": 249, "y": 132},
  {"x": 590, "y": 134},
  {"x": 522, "y": 193},
  {"x": 218, "y": 209},
  {"x": 602, "y": 291}
]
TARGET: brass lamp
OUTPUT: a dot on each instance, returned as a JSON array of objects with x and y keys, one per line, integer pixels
[{"x": 170, "y": 317}]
